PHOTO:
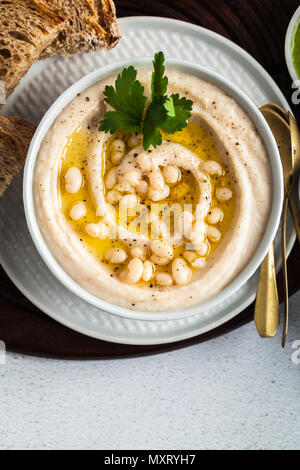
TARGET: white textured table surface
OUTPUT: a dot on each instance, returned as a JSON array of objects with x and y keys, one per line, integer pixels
[{"x": 235, "y": 392}]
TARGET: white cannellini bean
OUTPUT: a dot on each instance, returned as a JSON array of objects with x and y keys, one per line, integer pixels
[
  {"x": 116, "y": 255},
  {"x": 137, "y": 252},
  {"x": 202, "y": 248},
  {"x": 132, "y": 177},
  {"x": 213, "y": 233},
  {"x": 144, "y": 161},
  {"x": 134, "y": 140},
  {"x": 117, "y": 157},
  {"x": 103, "y": 230},
  {"x": 124, "y": 187},
  {"x": 223, "y": 194},
  {"x": 215, "y": 216},
  {"x": 118, "y": 146},
  {"x": 164, "y": 279},
  {"x": 135, "y": 269},
  {"x": 113, "y": 196},
  {"x": 199, "y": 226},
  {"x": 157, "y": 194},
  {"x": 199, "y": 263},
  {"x": 78, "y": 210},
  {"x": 213, "y": 168},
  {"x": 159, "y": 260},
  {"x": 142, "y": 187},
  {"x": 111, "y": 178},
  {"x": 190, "y": 255},
  {"x": 93, "y": 230},
  {"x": 73, "y": 180},
  {"x": 161, "y": 248},
  {"x": 147, "y": 271},
  {"x": 197, "y": 232},
  {"x": 180, "y": 271},
  {"x": 129, "y": 201},
  {"x": 156, "y": 180},
  {"x": 171, "y": 174}
]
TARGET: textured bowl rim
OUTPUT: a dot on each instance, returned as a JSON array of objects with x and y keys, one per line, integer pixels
[
  {"x": 288, "y": 43},
  {"x": 277, "y": 188}
]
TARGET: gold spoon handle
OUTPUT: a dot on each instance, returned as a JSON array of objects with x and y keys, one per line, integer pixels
[
  {"x": 266, "y": 314},
  {"x": 295, "y": 215},
  {"x": 284, "y": 269}
]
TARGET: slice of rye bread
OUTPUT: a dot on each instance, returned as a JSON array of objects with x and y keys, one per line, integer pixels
[
  {"x": 90, "y": 25},
  {"x": 15, "y": 137},
  {"x": 26, "y": 28},
  {"x": 107, "y": 18}
]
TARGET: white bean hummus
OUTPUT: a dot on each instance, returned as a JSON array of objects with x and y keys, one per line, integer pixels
[{"x": 160, "y": 229}]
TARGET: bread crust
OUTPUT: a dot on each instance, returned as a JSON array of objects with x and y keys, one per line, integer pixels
[
  {"x": 107, "y": 12},
  {"x": 48, "y": 10},
  {"x": 92, "y": 25},
  {"x": 26, "y": 28},
  {"x": 15, "y": 137}
]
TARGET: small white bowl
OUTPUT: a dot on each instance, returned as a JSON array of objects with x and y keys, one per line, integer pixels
[
  {"x": 277, "y": 196},
  {"x": 288, "y": 45}
]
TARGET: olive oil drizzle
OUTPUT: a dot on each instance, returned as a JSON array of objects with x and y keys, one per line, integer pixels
[{"x": 193, "y": 137}]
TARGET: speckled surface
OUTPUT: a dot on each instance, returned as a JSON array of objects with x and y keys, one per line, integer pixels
[{"x": 234, "y": 392}]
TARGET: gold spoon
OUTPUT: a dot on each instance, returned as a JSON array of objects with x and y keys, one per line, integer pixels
[
  {"x": 281, "y": 131},
  {"x": 266, "y": 313},
  {"x": 277, "y": 108},
  {"x": 295, "y": 140}
]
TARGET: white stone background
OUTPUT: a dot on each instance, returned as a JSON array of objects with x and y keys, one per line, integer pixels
[{"x": 234, "y": 392}]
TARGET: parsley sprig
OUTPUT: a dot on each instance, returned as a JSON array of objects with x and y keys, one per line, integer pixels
[{"x": 166, "y": 113}]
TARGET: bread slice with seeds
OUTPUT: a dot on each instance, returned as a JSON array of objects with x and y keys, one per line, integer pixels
[
  {"x": 15, "y": 137},
  {"x": 26, "y": 28},
  {"x": 90, "y": 25}
]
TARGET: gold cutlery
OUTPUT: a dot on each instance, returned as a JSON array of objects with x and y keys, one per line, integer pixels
[
  {"x": 295, "y": 141},
  {"x": 266, "y": 313},
  {"x": 278, "y": 109},
  {"x": 287, "y": 161},
  {"x": 291, "y": 166},
  {"x": 281, "y": 132}
]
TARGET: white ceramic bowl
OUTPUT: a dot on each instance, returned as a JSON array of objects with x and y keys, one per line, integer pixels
[
  {"x": 288, "y": 45},
  {"x": 277, "y": 180}
]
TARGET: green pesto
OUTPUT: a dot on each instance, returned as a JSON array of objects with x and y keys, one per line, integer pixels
[{"x": 296, "y": 49}]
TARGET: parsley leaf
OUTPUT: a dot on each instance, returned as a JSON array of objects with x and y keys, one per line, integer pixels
[
  {"x": 169, "y": 106},
  {"x": 128, "y": 100},
  {"x": 167, "y": 114},
  {"x": 178, "y": 121},
  {"x": 164, "y": 113},
  {"x": 155, "y": 116},
  {"x": 159, "y": 82}
]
